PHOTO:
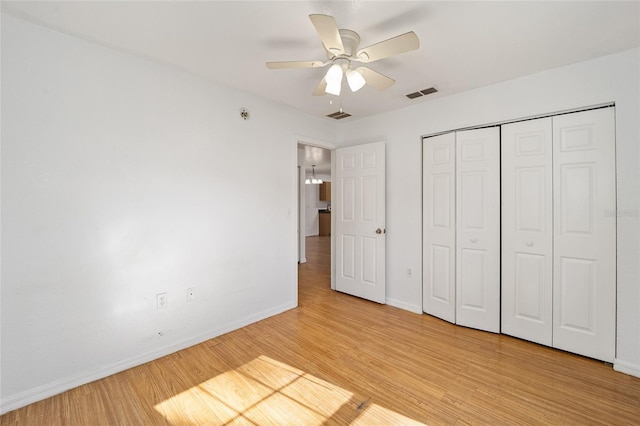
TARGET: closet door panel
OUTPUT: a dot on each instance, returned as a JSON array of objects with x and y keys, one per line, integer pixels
[
  {"x": 478, "y": 231},
  {"x": 527, "y": 231},
  {"x": 473, "y": 264},
  {"x": 584, "y": 233},
  {"x": 439, "y": 227}
]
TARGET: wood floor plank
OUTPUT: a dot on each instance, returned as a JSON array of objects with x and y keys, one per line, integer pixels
[{"x": 337, "y": 359}]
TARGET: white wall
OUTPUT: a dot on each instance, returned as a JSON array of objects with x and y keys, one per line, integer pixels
[
  {"x": 313, "y": 204},
  {"x": 613, "y": 78},
  {"x": 311, "y": 207},
  {"x": 123, "y": 178}
]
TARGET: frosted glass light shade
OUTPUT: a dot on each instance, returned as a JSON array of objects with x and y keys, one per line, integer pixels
[
  {"x": 313, "y": 181},
  {"x": 334, "y": 74},
  {"x": 334, "y": 88},
  {"x": 334, "y": 80},
  {"x": 355, "y": 80}
]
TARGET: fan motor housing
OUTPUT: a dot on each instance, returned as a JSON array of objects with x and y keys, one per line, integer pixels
[{"x": 350, "y": 42}]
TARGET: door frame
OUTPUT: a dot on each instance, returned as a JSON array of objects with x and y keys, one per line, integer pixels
[{"x": 298, "y": 236}]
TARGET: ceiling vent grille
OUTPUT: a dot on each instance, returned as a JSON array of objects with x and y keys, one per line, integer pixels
[
  {"x": 423, "y": 92},
  {"x": 339, "y": 115}
]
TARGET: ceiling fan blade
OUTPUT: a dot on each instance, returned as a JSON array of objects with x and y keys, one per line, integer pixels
[
  {"x": 328, "y": 31},
  {"x": 295, "y": 64},
  {"x": 375, "y": 79},
  {"x": 393, "y": 46},
  {"x": 321, "y": 89}
]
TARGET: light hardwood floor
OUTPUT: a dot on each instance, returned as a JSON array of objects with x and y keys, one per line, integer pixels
[{"x": 337, "y": 359}]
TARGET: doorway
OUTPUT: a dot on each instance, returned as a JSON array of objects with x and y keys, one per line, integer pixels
[{"x": 314, "y": 201}]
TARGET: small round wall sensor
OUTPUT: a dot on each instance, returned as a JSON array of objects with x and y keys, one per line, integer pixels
[{"x": 244, "y": 113}]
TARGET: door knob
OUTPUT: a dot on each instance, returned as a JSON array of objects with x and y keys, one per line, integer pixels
[
  {"x": 474, "y": 240},
  {"x": 529, "y": 243},
  {"x": 378, "y": 231}
]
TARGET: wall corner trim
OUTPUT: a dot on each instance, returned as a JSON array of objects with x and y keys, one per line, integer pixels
[
  {"x": 402, "y": 305},
  {"x": 626, "y": 367}
]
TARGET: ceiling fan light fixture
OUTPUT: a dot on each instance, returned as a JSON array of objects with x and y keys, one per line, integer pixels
[
  {"x": 341, "y": 47},
  {"x": 355, "y": 79}
]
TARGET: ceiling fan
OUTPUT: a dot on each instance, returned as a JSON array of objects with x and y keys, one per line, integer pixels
[{"x": 342, "y": 52}]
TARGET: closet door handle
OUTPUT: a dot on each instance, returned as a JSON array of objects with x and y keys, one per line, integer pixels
[{"x": 529, "y": 243}]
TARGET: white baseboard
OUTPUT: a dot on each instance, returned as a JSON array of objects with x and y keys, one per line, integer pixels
[
  {"x": 626, "y": 367},
  {"x": 402, "y": 305},
  {"x": 39, "y": 393}
]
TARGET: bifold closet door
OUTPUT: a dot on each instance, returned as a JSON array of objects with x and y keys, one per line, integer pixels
[
  {"x": 558, "y": 232},
  {"x": 584, "y": 276},
  {"x": 478, "y": 228},
  {"x": 527, "y": 230},
  {"x": 439, "y": 227}
]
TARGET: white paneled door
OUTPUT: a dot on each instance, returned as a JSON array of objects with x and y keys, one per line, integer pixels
[
  {"x": 359, "y": 207},
  {"x": 478, "y": 228},
  {"x": 527, "y": 230},
  {"x": 439, "y": 227},
  {"x": 584, "y": 273}
]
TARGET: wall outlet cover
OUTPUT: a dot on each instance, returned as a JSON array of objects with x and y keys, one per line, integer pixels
[{"x": 161, "y": 300}]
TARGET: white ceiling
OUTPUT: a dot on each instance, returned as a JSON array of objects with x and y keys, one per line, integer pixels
[
  {"x": 464, "y": 45},
  {"x": 319, "y": 157}
]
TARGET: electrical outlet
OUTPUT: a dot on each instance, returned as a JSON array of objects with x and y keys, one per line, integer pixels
[
  {"x": 191, "y": 294},
  {"x": 161, "y": 300}
]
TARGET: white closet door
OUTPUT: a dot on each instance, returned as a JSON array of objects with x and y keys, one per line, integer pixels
[
  {"x": 584, "y": 233},
  {"x": 439, "y": 227},
  {"x": 478, "y": 228},
  {"x": 527, "y": 230}
]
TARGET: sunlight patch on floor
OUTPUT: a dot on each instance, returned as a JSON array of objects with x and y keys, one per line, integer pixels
[{"x": 265, "y": 391}]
